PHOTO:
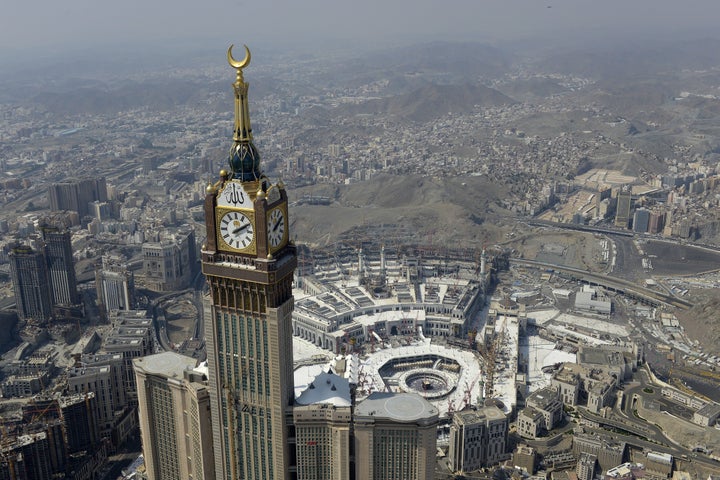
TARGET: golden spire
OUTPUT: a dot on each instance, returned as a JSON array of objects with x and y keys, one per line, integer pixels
[
  {"x": 243, "y": 130},
  {"x": 244, "y": 158}
]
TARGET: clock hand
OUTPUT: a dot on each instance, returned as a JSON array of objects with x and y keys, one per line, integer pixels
[
  {"x": 277, "y": 224},
  {"x": 240, "y": 229}
]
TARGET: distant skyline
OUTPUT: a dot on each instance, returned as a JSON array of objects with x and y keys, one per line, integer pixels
[{"x": 51, "y": 26}]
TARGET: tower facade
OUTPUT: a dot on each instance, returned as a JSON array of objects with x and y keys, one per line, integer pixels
[
  {"x": 30, "y": 283},
  {"x": 174, "y": 413},
  {"x": 76, "y": 194},
  {"x": 249, "y": 263},
  {"x": 61, "y": 266},
  {"x": 478, "y": 438},
  {"x": 395, "y": 437},
  {"x": 168, "y": 264},
  {"x": 115, "y": 284}
]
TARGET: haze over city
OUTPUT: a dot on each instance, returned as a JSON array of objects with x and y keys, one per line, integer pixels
[
  {"x": 460, "y": 239},
  {"x": 44, "y": 27}
]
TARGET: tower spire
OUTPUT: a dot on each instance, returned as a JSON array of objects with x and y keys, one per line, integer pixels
[{"x": 244, "y": 158}]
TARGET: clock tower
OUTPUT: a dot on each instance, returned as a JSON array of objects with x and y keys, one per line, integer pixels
[{"x": 249, "y": 261}]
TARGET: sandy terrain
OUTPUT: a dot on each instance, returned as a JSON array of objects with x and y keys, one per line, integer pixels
[
  {"x": 573, "y": 249},
  {"x": 681, "y": 431},
  {"x": 180, "y": 315}
]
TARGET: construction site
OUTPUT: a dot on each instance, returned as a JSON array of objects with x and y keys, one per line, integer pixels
[{"x": 465, "y": 328}]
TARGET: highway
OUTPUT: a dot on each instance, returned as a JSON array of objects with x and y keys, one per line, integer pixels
[
  {"x": 628, "y": 288},
  {"x": 642, "y": 433},
  {"x": 679, "y": 453},
  {"x": 160, "y": 322}
]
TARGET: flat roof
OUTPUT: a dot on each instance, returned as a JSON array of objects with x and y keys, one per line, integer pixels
[
  {"x": 709, "y": 410},
  {"x": 544, "y": 397},
  {"x": 169, "y": 364},
  {"x": 482, "y": 414},
  {"x": 400, "y": 407}
]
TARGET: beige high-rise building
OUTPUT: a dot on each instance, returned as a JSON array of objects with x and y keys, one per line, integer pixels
[
  {"x": 395, "y": 437},
  {"x": 249, "y": 261},
  {"x": 622, "y": 212},
  {"x": 167, "y": 263},
  {"x": 586, "y": 466},
  {"x": 322, "y": 418},
  {"x": 175, "y": 420},
  {"x": 478, "y": 438}
]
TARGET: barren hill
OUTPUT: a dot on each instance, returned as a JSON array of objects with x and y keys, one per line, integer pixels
[
  {"x": 619, "y": 62},
  {"x": 433, "y": 101},
  {"x": 442, "y": 211}
]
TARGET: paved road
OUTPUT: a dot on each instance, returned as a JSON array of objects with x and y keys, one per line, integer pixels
[
  {"x": 628, "y": 288},
  {"x": 628, "y": 264}
]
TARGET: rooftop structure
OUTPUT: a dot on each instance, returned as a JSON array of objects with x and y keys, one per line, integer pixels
[
  {"x": 395, "y": 437},
  {"x": 397, "y": 407},
  {"x": 168, "y": 262},
  {"x": 477, "y": 438},
  {"x": 326, "y": 388},
  {"x": 174, "y": 411},
  {"x": 375, "y": 296}
]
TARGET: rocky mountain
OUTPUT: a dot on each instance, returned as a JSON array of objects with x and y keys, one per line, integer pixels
[
  {"x": 431, "y": 102},
  {"x": 443, "y": 211}
]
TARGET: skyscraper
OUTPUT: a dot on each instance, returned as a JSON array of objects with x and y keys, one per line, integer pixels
[
  {"x": 30, "y": 284},
  {"x": 477, "y": 438},
  {"x": 168, "y": 264},
  {"x": 174, "y": 411},
  {"x": 80, "y": 422},
  {"x": 395, "y": 437},
  {"x": 641, "y": 220},
  {"x": 115, "y": 284},
  {"x": 60, "y": 265},
  {"x": 28, "y": 456},
  {"x": 76, "y": 195},
  {"x": 322, "y": 417},
  {"x": 622, "y": 213},
  {"x": 249, "y": 264}
]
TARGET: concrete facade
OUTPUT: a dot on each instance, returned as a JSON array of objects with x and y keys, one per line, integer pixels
[
  {"x": 478, "y": 439},
  {"x": 395, "y": 437},
  {"x": 175, "y": 420}
]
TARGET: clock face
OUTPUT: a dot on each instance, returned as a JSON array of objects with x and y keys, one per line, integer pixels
[
  {"x": 276, "y": 227},
  {"x": 236, "y": 230}
]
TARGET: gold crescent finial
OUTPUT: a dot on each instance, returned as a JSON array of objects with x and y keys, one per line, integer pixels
[{"x": 234, "y": 63}]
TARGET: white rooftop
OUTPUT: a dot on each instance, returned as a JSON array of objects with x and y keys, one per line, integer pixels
[
  {"x": 542, "y": 353},
  {"x": 468, "y": 379},
  {"x": 504, "y": 384},
  {"x": 401, "y": 407},
  {"x": 168, "y": 364},
  {"x": 326, "y": 388}
]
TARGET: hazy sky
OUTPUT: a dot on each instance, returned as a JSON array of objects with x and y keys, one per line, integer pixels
[{"x": 70, "y": 24}]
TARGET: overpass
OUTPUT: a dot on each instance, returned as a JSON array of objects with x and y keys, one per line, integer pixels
[
  {"x": 614, "y": 284},
  {"x": 581, "y": 228},
  {"x": 635, "y": 428}
]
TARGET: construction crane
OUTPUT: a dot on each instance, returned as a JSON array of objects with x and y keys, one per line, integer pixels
[
  {"x": 467, "y": 396},
  {"x": 472, "y": 336},
  {"x": 490, "y": 353}
]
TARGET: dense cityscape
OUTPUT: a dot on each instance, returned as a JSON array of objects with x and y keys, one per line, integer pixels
[{"x": 170, "y": 310}]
